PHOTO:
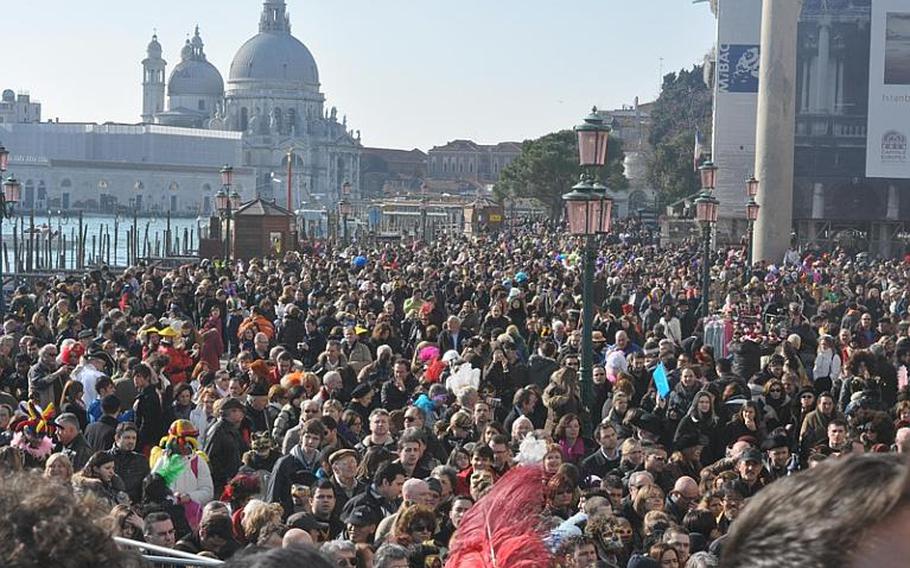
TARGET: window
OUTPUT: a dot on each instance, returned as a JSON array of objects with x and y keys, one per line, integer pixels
[{"x": 201, "y": 104}]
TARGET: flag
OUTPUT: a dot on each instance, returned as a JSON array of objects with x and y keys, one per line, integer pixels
[
  {"x": 660, "y": 381},
  {"x": 699, "y": 149}
]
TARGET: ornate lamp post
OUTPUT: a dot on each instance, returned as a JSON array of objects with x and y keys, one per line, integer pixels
[
  {"x": 8, "y": 199},
  {"x": 344, "y": 210},
  {"x": 706, "y": 214},
  {"x": 424, "y": 204},
  {"x": 226, "y": 202},
  {"x": 588, "y": 212},
  {"x": 752, "y": 208}
]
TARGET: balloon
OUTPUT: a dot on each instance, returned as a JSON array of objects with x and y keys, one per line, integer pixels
[{"x": 360, "y": 261}]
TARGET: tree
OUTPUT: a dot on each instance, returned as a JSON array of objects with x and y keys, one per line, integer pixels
[
  {"x": 548, "y": 167},
  {"x": 684, "y": 104}
]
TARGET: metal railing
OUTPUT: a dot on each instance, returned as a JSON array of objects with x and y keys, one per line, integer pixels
[{"x": 161, "y": 555}]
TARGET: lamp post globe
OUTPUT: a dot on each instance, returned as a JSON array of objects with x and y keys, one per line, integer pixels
[
  {"x": 706, "y": 209},
  {"x": 708, "y": 174},
  {"x": 593, "y": 137},
  {"x": 752, "y": 187},
  {"x": 12, "y": 192},
  {"x": 227, "y": 175},
  {"x": 221, "y": 201},
  {"x": 752, "y": 208}
]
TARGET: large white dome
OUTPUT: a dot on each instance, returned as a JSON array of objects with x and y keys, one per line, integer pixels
[{"x": 274, "y": 56}]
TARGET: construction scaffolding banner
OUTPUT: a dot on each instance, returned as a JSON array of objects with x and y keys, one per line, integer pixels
[{"x": 889, "y": 91}]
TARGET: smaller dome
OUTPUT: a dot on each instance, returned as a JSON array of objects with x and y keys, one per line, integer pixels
[
  {"x": 9, "y": 96},
  {"x": 193, "y": 77}
]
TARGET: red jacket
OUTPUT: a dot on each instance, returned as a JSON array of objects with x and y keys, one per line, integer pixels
[{"x": 179, "y": 365}]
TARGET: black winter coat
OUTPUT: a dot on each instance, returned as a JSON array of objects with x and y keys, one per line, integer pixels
[{"x": 224, "y": 446}]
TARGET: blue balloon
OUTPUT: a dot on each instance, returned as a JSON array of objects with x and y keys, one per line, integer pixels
[{"x": 360, "y": 261}]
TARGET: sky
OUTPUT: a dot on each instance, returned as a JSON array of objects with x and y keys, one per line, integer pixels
[{"x": 408, "y": 74}]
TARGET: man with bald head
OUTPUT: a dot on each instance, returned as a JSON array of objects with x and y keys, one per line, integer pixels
[
  {"x": 296, "y": 538},
  {"x": 413, "y": 492},
  {"x": 682, "y": 498}
]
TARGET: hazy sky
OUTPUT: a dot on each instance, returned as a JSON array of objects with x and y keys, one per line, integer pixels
[{"x": 406, "y": 73}]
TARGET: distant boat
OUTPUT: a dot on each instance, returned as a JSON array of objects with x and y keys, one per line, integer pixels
[{"x": 44, "y": 230}]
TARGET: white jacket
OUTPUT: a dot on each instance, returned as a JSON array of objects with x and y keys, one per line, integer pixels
[
  {"x": 88, "y": 375},
  {"x": 827, "y": 364},
  {"x": 198, "y": 485}
]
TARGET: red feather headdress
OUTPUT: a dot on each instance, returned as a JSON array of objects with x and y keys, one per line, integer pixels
[{"x": 503, "y": 529}]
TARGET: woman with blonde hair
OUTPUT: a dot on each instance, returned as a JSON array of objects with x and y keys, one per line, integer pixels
[
  {"x": 60, "y": 468},
  {"x": 257, "y": 516}
]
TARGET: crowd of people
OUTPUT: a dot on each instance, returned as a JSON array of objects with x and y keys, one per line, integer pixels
[{"x": 366, "y": 401}]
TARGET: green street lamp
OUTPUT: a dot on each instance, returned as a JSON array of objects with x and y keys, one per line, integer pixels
[
  {"x": 752, "y": 208},
  {"x": 226, "y": 202},
  {"x": 12, "y": 191},
  {"x": 344, "y": 210},
  {"x": 588, "y": 211},
  {"x": 706, "y": 214}
]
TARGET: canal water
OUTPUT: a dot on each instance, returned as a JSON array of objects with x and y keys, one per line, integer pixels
[{"x": 63, "y": 232}]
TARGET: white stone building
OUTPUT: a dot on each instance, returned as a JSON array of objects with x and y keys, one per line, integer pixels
[
  {"x": 272, "y": 108},
  {"x": 273, "y": 98}
]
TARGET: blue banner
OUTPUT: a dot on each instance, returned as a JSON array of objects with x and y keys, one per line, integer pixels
[
  {"x": 737, "y": 68},
  {"x": 660, "y": 381}
]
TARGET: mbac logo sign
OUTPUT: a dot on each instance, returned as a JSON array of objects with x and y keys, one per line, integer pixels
[
  {"x": 737, "y": 68},
  {"x": 894, "y": 147}
]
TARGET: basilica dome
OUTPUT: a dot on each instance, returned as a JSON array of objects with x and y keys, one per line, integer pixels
[{"x": 274, "y": 55}]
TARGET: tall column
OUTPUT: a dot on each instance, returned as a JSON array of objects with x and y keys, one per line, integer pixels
[
  {"x": 822, "y": 89},
  {"x": 775, "y": 128}
]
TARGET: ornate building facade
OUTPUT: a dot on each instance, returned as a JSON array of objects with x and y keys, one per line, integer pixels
[
  {"x": 270, "y": 110},
  {"x": 273, "y": 98}
]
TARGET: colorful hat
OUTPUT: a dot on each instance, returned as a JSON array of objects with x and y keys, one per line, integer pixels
[
  {"x": 181, "y": 434},
  {"x": 167, "y": 332}
]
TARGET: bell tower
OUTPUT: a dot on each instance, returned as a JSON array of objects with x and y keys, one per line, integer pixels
[{"x": 153, "y": 67}]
